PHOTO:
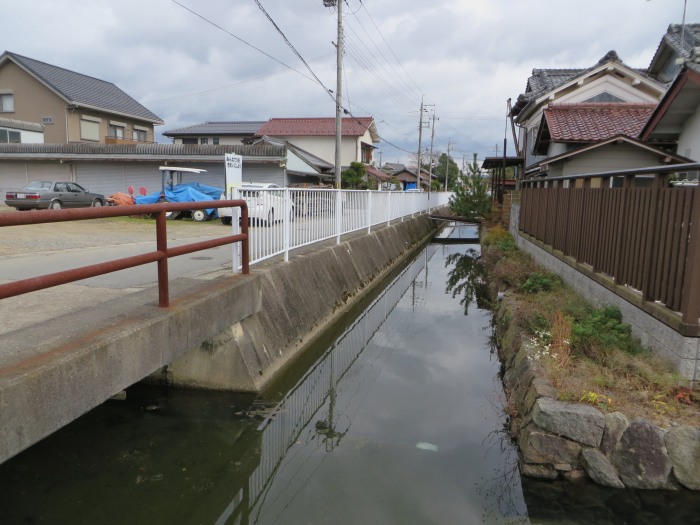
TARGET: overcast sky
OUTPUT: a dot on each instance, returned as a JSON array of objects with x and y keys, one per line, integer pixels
[{"x": 180, "y": 58}]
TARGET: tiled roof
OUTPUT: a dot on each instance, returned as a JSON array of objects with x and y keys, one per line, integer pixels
[
  {"x": 316, "y": 127},
  {"x": 595, "y": 121},
  {"x": 20, "y": 124},
  {"x": 223, "y": 127},
  {"x": 670, "y": 46},
  {"x": 83, "y": 90},
  {"x": 545, "y": 80},
  {"x": 377, "y": 173}
]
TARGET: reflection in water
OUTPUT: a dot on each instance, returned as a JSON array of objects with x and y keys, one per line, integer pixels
[
  {"x": 467, "y": 279},
  {"x": 314, "y": 398}
]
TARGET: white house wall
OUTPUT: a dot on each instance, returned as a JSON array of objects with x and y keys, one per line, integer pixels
[
  {"x": 611, "y": 85},
  {"x": 689, "y": 140},
  {"x": 324, "y": 148}
]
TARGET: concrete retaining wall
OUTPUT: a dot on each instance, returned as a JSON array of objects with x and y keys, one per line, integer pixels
[
  {"x": 299, "y": 299},
  {"x": 683, "y": 352}
]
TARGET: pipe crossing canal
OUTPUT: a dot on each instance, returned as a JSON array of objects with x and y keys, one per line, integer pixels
[{"x": 395, "y": 418}]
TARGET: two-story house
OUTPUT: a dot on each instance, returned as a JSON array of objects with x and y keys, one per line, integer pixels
[
  {"x": 72, "y": 107},
  {"x": 317, "y": 136}
]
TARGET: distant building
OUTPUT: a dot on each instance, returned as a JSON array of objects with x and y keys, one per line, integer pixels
[{"x": 223, "y": 132}]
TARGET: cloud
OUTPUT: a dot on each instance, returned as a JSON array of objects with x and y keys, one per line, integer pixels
[{"x": 466, "y": 57}]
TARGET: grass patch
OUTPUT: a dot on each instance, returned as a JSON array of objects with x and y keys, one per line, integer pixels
[{"x": 589, "y": 354}]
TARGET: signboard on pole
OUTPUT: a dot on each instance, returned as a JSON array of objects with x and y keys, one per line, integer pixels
[
  {"x": 234, "y": 180},
  {"x": 234, "y": 173}
]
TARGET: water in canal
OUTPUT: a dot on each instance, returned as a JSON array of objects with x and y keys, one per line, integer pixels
[{"x": 397, "y": 419}]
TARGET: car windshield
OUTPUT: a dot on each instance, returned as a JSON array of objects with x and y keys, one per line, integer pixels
[{"x": 38, "y": 185}]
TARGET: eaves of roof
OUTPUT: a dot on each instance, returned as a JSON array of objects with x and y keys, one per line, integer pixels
[
  {"x": 670, "y": 45},
  {"x": 672, "y": 158},
  {"x": 688, "y": 79},
  {"x": 140, "y": 152},
  {"x": 20, "y": 124}
]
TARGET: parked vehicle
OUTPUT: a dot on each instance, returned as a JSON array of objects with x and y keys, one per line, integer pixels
[
  {"x": 174, "y": 190},
  {"x": 43, "y": 194},
  {"x": 265, "y": 205}
]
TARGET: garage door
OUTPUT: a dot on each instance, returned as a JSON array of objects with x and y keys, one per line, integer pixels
[
  {"x": 14, "y": 175},
  {"x": 108, "y": 178}
]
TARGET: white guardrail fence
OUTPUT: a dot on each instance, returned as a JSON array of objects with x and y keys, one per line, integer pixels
[{"x": 284, "y": 219}]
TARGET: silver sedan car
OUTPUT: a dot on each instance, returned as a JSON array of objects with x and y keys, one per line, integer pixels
[{"x": 51, "y": 195}]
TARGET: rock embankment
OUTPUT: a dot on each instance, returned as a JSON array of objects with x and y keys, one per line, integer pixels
[{"x": 575, "y": 440}]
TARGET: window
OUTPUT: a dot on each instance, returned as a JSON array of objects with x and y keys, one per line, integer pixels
[
  {"x": 215, "y": 141},
  {"x": 189, "y": 141},
  {"x": 115, "y": 131},
  {"x": 139, "y": 134},
  {"x": 13, "y": 137},
  {"x": 90, "y": 128},
  {"x": 204, "y": 140},
  {"x": 7, "y": 103},
  {"x": 605, "y": 97}
]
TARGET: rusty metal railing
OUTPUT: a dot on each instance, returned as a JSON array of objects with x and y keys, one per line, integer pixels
[{"x": 160, "y": 256}]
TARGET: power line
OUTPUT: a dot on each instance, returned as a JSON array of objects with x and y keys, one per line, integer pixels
[
  {"x": 240, "y": 39},
  {"x": 284, "y": 37}
]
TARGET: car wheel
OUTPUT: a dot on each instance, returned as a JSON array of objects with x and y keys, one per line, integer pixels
[
  {"x": 199, "y": 215},
  {"x": 226, "y": 221},
  {"x": 55, "y": 205},
  {"x": 97, "y": 203},
  {"x": 172, "y": 215}
]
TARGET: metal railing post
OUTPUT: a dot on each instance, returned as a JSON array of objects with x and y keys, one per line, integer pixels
[{"x": 162, "y": 248}]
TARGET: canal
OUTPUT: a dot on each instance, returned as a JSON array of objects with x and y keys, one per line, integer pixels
[{"x": 394, "y": 418}]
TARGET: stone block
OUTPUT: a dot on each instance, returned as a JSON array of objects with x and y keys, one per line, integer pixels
[
  {"x": 600, "y": 469},
  {"x": 540, "y": 447},
  {"x": 581, "y": 423},
  {"x": 640, "y": 457},
  {"x": 683, "y": 445}
]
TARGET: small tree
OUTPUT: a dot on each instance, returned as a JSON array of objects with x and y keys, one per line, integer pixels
[
  {"x": 355, "y": 176},
  {"x": 471, "y": 198}
]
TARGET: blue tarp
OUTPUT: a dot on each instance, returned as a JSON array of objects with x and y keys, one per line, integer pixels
[{"x": 187, "y": 192}]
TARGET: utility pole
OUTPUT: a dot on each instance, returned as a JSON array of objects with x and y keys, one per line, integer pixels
[
  {"x": 447, "y": 163},
  {"x": 338, "y": 89},
  {"x": 421, "y": 124},
  {"x": 432, "y": 139}
]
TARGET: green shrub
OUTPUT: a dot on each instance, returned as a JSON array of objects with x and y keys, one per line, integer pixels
[
  {"x": 540, "y": 282},
  {"x": 603, "y": 331}
]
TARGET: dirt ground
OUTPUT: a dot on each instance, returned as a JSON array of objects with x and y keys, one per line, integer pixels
[{"x": 95, "y": 232}]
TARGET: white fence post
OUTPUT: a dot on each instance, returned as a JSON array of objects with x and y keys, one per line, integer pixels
[
  {"x": 369, "y": 211},
  {"x": 287, "y": 222},
  {"x": 338, "y": 215}
]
